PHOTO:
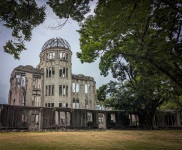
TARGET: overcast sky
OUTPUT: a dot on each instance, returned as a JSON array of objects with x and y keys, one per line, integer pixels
[{"x": 40, "y": 35}]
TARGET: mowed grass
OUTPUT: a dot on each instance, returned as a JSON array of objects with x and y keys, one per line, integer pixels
[{"x": 103, "y": 140}]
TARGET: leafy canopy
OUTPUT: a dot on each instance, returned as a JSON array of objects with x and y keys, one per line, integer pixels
[
  {"x": 21, "y": 16},
  {"x": 146, "y": 31}
]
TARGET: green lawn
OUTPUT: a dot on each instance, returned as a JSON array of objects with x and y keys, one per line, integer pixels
[{"x": 109, "y": 139}]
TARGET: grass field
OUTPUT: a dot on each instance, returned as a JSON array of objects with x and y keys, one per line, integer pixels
[{"x": 103, "y": 140}]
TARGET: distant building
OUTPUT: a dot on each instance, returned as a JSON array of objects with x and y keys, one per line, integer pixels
[{"x": 52, "y": 83}]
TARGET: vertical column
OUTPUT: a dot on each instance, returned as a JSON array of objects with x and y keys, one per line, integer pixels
[
  {"x": 40, "y": 119},
  {"x": 68, "y": 118},
  {"x": 56, "y": 118},
  {"x": 29, "y": 80},
  {"x": 65, "y": 113},
  {"x": 178, "y": 123}
]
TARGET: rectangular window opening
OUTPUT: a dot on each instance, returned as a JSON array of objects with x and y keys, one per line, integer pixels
[
  {"x": 60, "y": 72},
  {"x": 66, "y": 90},
  {"x": 49, "y": 90},
  {"x": 53, "y": 90},
  {"x": 60, "y": 90},
  {"x": 46, "y": 73},
  {"x": 66, "y": 72},
  {"x": 51, "y": 55},
  {"x": 60, "y": 55},
  {"x": 49, "y": 71},
  {"x": 63, "y": 72},
  {"x": 76, "y": 87},
  {"x": 86, "y": 88}
]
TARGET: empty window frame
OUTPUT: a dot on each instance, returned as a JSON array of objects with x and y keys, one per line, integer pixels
[
  {"x": 53, "y": 71},
  {"x": 60, "y": 90},
  {"x": 49, "y": 89},
  {"x": 60, "y": 104},
  {"x": 75, "y": 103},
  {"x": 89, "y": 116},
  {"x": 64, "y": 90},
  {"x": 60, "y": 55},
  {"x": 66, "y": 56},
  {"x": 63, "y": 56},
  {"x": 52, "y": 104},
  {"x": 63, "y": 72},
  {"x": 52, "y": 90},
  {"x": 75, "y": 87},
  {"x": 50, "y": 71},
  {"x": 66, "y": 72},
  {"x": 86, "y": 88},
  {"x": 60, "y": 72},
  {"x": 47, "y": 72},
  {"x": 51, "y": 55},
  {"x": 113, "y": 117}
]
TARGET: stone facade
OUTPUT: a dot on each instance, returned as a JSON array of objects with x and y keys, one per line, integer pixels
[{"x": 52, "y": 83}]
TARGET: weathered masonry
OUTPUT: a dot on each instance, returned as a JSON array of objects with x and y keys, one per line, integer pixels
[
  {"x": 36, "y": 118},
  {"x": 51, "y": 96},
  {"x": 52, "y": 83}
]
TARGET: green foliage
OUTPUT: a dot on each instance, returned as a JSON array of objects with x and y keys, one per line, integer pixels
[
  {"x": 174, "y": 104},
  {"x": 142, "y": 90},
  {"x": 75, "y": 9},
  {"x": 138, "y": 31},
  {"x": 21, "y": 17},
  {"x": 101, "y": 93}
]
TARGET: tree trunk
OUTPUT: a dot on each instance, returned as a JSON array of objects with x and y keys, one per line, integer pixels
[{"x": 146, "y": 119}]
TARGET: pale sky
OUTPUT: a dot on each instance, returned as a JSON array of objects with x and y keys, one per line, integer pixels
[{"x": 40, "y": 35}]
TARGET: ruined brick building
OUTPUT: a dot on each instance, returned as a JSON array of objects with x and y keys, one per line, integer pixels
[{"x": 52, "y": 83}]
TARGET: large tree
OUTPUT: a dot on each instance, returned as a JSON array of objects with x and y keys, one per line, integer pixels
[
  {"x": 146, "y": 30},
  {"x": 142, "y": 91},
  {"x": 21, "y": 16}
]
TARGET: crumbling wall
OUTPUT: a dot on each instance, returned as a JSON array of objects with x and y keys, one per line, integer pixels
[
  {"x": 83, "y": 92},
  {"x": 25, "y": 86},
  {"x": 34, "y": 118}
]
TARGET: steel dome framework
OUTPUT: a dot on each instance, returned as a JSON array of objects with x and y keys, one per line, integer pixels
[{"x": 56, "y": 43}]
